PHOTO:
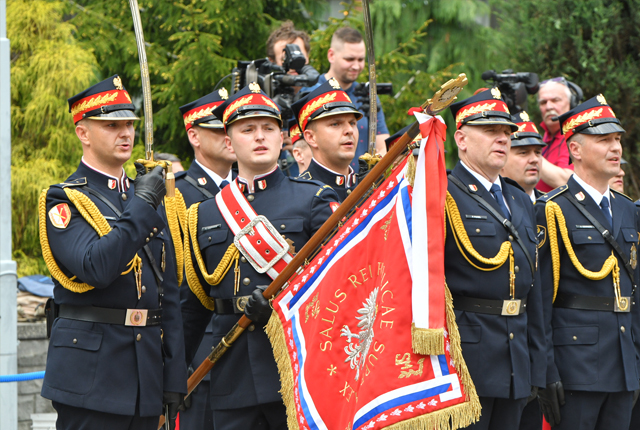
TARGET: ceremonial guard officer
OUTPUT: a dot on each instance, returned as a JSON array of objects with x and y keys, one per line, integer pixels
[
  {"x": 209, "y": 171},
  {"x": 225, "y": 281},
  {"x": 525, "y": 156},
  {"x": 329, "y": 124},
  {"x": 588, "y": 255},
  {"x": 490, "y": 265},
  {"x": 211, "y": 167},
  {"x": 116, "y": 344}
]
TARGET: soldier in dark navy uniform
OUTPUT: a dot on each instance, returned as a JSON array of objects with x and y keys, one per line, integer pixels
[
  {"x": 588, "y": 264},
  {"x": 117, "y": 344},
  {"x": 245, "y": 383},
  {"x": 329, "y": 123},
  {"x": 208, "y": 173},
  {"x": 490, "y": 265}
]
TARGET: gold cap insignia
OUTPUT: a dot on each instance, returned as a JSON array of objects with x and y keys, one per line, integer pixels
[
  {"x": 117, "y": 82},
  {"x": 222, "y": 92},
  {"x": 580, "y": 196},
  {"x": 525, "y": 116},
  {"x": 334, "y": 83},
  {"x": 495, "y": 92},
  {"x": 601, "y": 99},
  {"x": 254, "y": 87}
]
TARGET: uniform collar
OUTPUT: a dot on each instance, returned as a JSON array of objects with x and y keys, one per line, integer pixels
[
  {"x": 261, "y": 182},
  {"x": 327, "y": 176},
  {"x": 483, "y": 181},
  {"x": 595, "y": 194},
  {"x": 102, "y": 179},
  {"x": 213, "y": 175}
]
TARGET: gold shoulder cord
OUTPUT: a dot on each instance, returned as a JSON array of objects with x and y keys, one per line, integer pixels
[
  {"x": 177, "y": 220},
  {"x": 94, "y": 217},
  {"x": 230, "y": 256},
  {"x": 553, "y": 213},
  {"x": 462, "y": 241}
]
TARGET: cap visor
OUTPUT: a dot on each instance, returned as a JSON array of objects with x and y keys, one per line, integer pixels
[
  {"x": 494, "y": 120},
  {"x": 340, "y": 111},
  {"x": 527, "y": 141},
  {"x": 256, "y": 114},
  {"x": 116, "y": 114},
  {"x": 214, "y": 123},
  {"x": 606, "y": 128}
]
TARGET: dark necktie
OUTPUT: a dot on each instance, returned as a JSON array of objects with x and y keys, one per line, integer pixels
[
  {"x": 224, "y": 184},
  {"x": 497, "y": 194},
  {"x": 604, "y": 205}
]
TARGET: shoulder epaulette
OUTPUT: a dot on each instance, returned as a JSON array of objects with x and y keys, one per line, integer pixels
[
  {"x": 323, "y": 188},
  {"x": 302, "y": 180},
  {"x": 180, "y": 174},
  {"x": 305, "y": 176},
  {"x": 74, "y": 183},
  {"x": 621, "y": 194},
  {"x": 552, "y": 194},
  {"x": 514, "y": 183}
]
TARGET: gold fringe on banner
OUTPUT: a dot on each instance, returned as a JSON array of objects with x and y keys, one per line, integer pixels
[
  {"x": 427, "y": 341},
  {"x": 275, "y": 332}
]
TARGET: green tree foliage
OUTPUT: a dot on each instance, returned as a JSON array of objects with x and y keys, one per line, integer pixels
[
  {"x": 593, "y": 43},
  {"x": 47, "y": 67}
]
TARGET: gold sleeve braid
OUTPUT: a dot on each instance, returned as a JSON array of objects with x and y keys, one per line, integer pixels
[
  {"x": 96, "y": 220},
  {"x": 553, "y": 212},
  {"x": 230, "y": 256},
  {"x": 177, "y": 220}
]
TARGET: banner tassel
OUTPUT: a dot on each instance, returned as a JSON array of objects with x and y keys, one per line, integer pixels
[{"x": 427, "y": 341}]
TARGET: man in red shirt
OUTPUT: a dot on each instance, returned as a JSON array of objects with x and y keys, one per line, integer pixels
[{"x": 555, "y": 97}]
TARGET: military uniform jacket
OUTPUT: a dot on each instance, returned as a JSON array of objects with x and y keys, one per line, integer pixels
[
  {"x": 505, "y": 355},
  {"x": 108, "y": 367},
  {"x": 191, "y": 193},
  {"x": 247, "y": 374},
  {"x": 590, "y": 350},
  {"x": 342, "y": 184}
]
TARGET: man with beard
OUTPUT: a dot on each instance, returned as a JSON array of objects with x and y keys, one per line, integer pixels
[
  {"x": 328, "y": 122},
  {"x": 555, "y": 97},
  {"x": 525, "y": 156}
]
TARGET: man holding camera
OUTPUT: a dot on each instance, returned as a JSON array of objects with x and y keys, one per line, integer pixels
[
  {"x": 346, "y": 58},
  {"x": 328, "y": 122},
  {"x": 223, "y": 283}
]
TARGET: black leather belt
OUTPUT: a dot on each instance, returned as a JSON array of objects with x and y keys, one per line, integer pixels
[
  {"x": 231, "y": 306},
  {"x": 128, "y": 317},
  {"x": 485, "y": 306},
  {"x": 589, "y": 303}
]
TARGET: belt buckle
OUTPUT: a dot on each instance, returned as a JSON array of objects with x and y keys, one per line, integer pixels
[
  {"x": 625, "y": 303},
  {"x": 511, "y": 308},
  {"x": 136, "y": 317},
  {"x": 249, "y": 229},
  {"x": 241, "y": 302}
]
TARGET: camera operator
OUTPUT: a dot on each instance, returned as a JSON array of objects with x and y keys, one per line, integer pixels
[{"x": 346, "y": 57}]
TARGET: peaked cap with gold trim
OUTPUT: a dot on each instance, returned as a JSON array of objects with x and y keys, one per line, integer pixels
[
  {"x": 200, "y": 112},
  {"x": 486, "y": 107},
  {"x": 527, "y": 133},
  {"x": 326, "y": 100},
  {"x": 106, "y": 100},
  {"x": 594, "y": 116},
  {"x": 294, "y": 131},
  {"x": 251, "y": 101}
]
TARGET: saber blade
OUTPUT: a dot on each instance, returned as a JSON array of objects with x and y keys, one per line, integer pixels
[{"x": 371, "y": 59}]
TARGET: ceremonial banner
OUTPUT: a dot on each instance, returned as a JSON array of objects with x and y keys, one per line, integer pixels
[{"x": 342, "y": 330}]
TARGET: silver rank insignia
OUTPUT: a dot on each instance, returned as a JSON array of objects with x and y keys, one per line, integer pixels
[
  {"x": 580, "y": 196},
  {"x": 633, "y": 260}
]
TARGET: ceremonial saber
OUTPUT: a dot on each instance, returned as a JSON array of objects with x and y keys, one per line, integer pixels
[
  {"x": 440, "y": 101},
  {"x": 373, "y": 90},
  {"x": 148, "y": 162}
]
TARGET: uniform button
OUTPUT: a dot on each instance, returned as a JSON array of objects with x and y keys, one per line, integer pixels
[
  {"x": 575, "y": 337},
  {"x": 162, "y": 233},
  {"x": 143, "y": 289},
  {"x": 250, "y": 197},
  {"x": 147, "y": 240},
  {"x": 348, "y": 192},
  {"x": 155, "y": 230},
  {"x": 209, "y": 238},
  {"x": 138, "y": 337},
  {"x": 510, "y": 237},
  {"x": 282, "y": 226},
  {"x": 589, "y": 237},
  {"x": 511, "y": 336},
  {"x": 246, "y": 281},
  {"x": 251, "y": 327},
  {"x": 124, "y": 196},
  {"x": 622, "y": 329},
  {"x": 150, "y": 234},
  {"x": 242, "y": 259},
  {"x": 75, "y": 340},
  {"x": 516, "y": 269},
  {"x": 477, "y": 230}
]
